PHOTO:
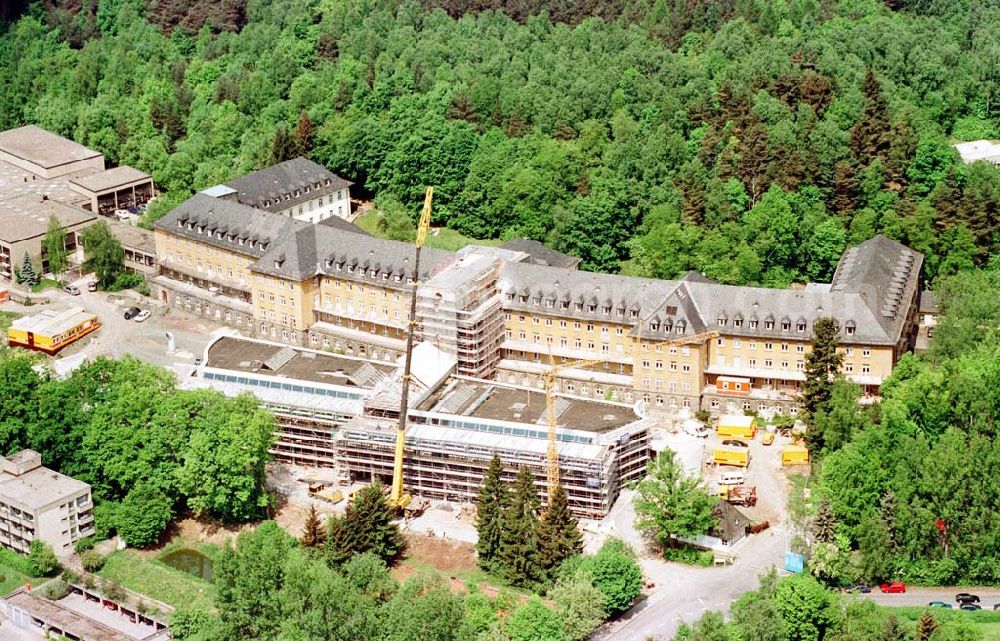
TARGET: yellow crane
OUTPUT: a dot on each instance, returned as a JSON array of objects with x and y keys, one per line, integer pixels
[
  {"x": 397, "y": 498},
  {"x": 549, "y": 377},
  {"x": 700, "y": 337}
]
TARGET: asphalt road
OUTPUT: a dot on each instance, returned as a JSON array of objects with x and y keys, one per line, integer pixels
[{"x": 922, "y": 596}]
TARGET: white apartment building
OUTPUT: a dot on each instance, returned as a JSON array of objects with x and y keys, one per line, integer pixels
[{"x": 297, "y": 188}]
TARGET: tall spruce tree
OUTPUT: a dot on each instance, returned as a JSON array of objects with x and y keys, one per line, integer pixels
[
  {"x": 518, "y": 554},
  {"x": 822, "y": 367},
  {"x": 926, "y": 627},
  {"x": 304, "y": 135},
  {"x": 559, "y": 534},
  {"x": 871, "y": 136},
  {"x": 494, "y": 499},
  {"x": 339, "y": 542},
  {"x": 29, "y": 276},
  {"x": 283, "y": 146},
  {"x": 824, "y": 523},
  {"x": 368, "y": 519},
  {"x": 312, "y": 531}
]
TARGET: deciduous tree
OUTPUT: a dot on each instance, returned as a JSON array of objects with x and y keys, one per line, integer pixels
[
  {"x": 54, "y": 245},
  {"x": 104, "y": 254},
  {"x": 670, "y": 503}
]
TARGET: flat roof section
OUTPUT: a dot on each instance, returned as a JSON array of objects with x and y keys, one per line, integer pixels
[
  {"x": 15, "y": 181},
  {"x": 481, "y": 399},
  {"x": 244, "y": 355},
  {"x": 132, "y": 237},
  {"x": 50, "y": 322},
  {"x": 42, "y": 147},
  {"x": 27, "y": 216},
  {"x": 39, "y": 487},
  {"x": 111, "y": 179}
]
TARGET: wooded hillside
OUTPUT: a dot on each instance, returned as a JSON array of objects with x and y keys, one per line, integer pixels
[{"x": 752, "y": 141}]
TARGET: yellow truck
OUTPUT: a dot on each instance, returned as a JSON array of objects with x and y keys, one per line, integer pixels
[
  {"x": 794, "y": 455},
  {"x": 732, "y": 455},
  {"x": 736, "y": 426}
]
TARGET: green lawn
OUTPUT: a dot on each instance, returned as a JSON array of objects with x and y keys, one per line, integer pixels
[
  {"x": 13, "y": 579},
  {"x": 157, "y": 580},
  {"x": 986, "y": 622},
  {"x": 439, "y": 237},
  {"x": 44, "y": 284},
  {"x": 6, "y": 318}
]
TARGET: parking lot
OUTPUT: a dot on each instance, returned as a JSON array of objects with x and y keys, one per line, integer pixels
[{"x": 118, "y": 337}]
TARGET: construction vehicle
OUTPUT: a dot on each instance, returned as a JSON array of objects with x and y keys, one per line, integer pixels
[
  {"x": 794, "y": 455},
  {"x": 736, "y": 426},
  {"x": 744, "y": 495},
  {"x": 330, "y": 495},
  {"x": 398, "y": 499},
  {"x": 729, "y": 455}
]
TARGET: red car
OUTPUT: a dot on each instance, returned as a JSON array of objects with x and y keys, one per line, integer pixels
[{"x": 894, "y": 587}]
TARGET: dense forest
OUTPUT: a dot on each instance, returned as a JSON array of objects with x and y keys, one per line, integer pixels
[
  {"x": 908, "y": 488},
  {"x": 749, "y": 139}
]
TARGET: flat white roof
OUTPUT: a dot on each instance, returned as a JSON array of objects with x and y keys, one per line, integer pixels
[
  {"x": 736, "y": 420},
  {"x": 979, "y": 150},
  {"x": 50, "y": 322},
  {"x": 43, "y": 148}
]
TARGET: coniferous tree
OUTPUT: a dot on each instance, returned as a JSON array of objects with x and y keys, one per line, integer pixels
[
  {"x": 304, "y": 135},
  {"x": 368, "y": 519},
  {"x": 892, "y": 630},
  {"x": 824, "y": 523},
  {"x": 559, "y": 534},
  {"x": 844, "y": 189},
  {"x": 926, "y": 627},
  {"x": 887, "y": 510},
  {"x": 28, "y": 274},
  {"x": 493, "y": 501},
  {"x": 822, "y": 365},
  {"x": 312, "y": 532},
  {"x": 339, "y": 542},
  {"x": 518, "y": 558},
  {"x": 283, "y": 146},
  {"x": 871, "y": 136}
]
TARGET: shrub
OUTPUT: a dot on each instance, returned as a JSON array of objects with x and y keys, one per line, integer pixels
[
  {"x": 616, "y": 574},
  {"x": 70, "y": 576},
  {"x": 89, "y": 582},
  {"x": 17, "y": 562},
  {"x": 129, "y": 280},
  {"x": 92, "y": 561},
  {"x": 84, "y": 544},
  {"x": 54, "y": 589},
  {"x": 113, "y": 591},
  {"x": 42, "y": 559}
]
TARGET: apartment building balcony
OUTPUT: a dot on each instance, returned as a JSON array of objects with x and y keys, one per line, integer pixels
[
  {"x": 575, "y": 374},
  {"x": 335, "y": 313},
  {"x": 764, "y": 393},
  {"x": 214, "y": 282},
  {"x": 206, "y": 294}
]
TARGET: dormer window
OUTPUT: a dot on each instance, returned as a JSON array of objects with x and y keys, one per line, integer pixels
[
  {"x": 607, "y": 311},
  {"x": 654, "y": 327},
  {"x": 180, "y": 223},
  {"x": 385, "y": 275},
  {"x": 350, "y": 269},
  {"x": 737, "y": 322},
  {"x": 786, "y": 325},
  {"x": 579, "y": 307},
  {"x": 550, "y": 303},
  {"x": 769, "y": 325},
  {"x": 849, "y": 328},
  {"x": 565, "y": 304},
  {"x": 722, "y": 321},
  {"x": 634, "y": 313},
  {"x": 263, "y": 246},
  {"x": 523, "y": 298},
  {"x": 399, "y": 277},
  {"x": 753, "y": 324},
  {"x": 537, "y": 300},
  {"x": 591, "y": 308},
  {"x": 373, "y": 274}
]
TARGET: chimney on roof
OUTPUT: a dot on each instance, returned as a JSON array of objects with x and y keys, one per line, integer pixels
[{"x": 45, "y": 197}]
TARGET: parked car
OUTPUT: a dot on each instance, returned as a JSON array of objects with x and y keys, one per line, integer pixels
[
  {"x": 131, "y": 312},
  {"x": 860, "y": 588},
  {"x": 72, "y": 290},
  {"x": 971, "y": 607},
  {"x": 92, "y": 286},
  {"x": 965, "y": 597},
  {"x": 895, "y": 587},
  {"x": 768, "y": 438},
  {"x": 141, "y": 316},
  {"x": 734, "y": 443},
  {"x": 996, "y": 606},
  {"x": 939, "y": 604},
  {"x": 197, "y": 361}
]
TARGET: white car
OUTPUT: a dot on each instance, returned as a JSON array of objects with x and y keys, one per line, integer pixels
[{"x": 141, "y": 316}]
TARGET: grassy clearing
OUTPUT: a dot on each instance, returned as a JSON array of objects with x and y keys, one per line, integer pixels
[
  {"x": 44, "y": 284},
  {"x": 6, "y": 318},
  {"x": 13, "y": 579},
  {"x": 439, "y": 237},
  {"x": 985, "y": 622},
  {"x": 158, "y": 580}
]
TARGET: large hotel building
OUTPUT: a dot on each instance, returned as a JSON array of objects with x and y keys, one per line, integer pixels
[{"x": 507, "y": 313}]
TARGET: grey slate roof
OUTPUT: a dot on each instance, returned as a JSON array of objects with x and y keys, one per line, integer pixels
[
  {"x": 316, "y": 249},
  {"x": 539, "y": 254},
  {"x": 224, "y": 223},
  {"x": 339, "y": 223},
  {"x": 278, "y": 187},
  {"x": 574, "y": 293},
  {"x": 886, "y": 275}
]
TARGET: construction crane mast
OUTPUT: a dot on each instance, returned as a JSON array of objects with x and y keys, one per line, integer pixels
[
  {"x": 552, "y": 454},
  {"x": 397, "y": 498}
]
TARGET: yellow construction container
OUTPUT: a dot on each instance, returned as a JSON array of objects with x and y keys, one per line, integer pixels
[
  {"x": 730, "y": 455},
  {"x": 736, "y": 426},
  {"x": 794, "y": 455},
  {"x": 51, "y": 330}
]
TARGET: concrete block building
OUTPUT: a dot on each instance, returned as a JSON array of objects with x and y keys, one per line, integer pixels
[{"x": 39, "y": 503}]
